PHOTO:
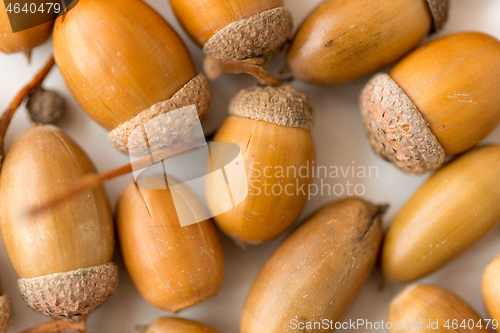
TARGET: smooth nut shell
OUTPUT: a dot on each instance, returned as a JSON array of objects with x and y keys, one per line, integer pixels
[
  {"x": 318, "y": 270},
  {"x": 345, "y": 40},
  {"x": 421, "y": 303},
  {"x": 454, "y": 81},
  {"x": 201, "y": 19},
  {"x": 137, "y": 59},
  {"x": 490, "y": 289},
  {"x": 178, "y": 325},
  {"x": 42, "y": 162},
  {"x": 173, "y": 267},
  {"x": 452, "y": 210}
]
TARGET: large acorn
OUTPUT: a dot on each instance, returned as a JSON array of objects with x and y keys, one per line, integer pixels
[
  {"x": 62, "y": 256},
  {"x": 439, "y": 101},
  {"x": 173, "y": 263},
  {"x": 431, "y": 309},
  {"x": 345, "y": 40},
  {"x": 452, "y": 210},
  {"x": 271, "y": 126},
  {"x": 126, "y": 66},
  {"x": 235, "y": 30},
  {"x": 22, "y": 41},
  {"x": 317, "y": 272},
  {"x": 177, "y": 325}
]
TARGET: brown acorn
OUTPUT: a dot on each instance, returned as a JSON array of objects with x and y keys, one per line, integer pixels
[
  {"x": 5, "y": 312},
  {"x": 439, "y": 101},
  {"x": 318, "y": 271},
  {"x": 22, "y": 41},
  {"x": 172, "y": 266},
  {"x": 451, "y": 211},
  {"x": 490, "y": 290},
  {"x": 432, "y": 309},
  {"x": 63, "y": 256},
  {"x": 177, "y": 325},
  {"x": 271, "y": 126},
  {"x": 235, "y": 30},
  {"x": 345, "y": 40},
  {"x": 140, "y": 67}
]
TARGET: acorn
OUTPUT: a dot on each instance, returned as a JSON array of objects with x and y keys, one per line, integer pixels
[
  {"x": 429, "y": 308},
  {"x": 439, "y": 101},
  {"x": 22, "y": 41},
  {"x": 140, "y": 68},
  {"x": 63, "y": 256},
  {"x": 177, "y": 325},
  {"x": 318, "y": 271},
  {"x": 271, "y": 126},
  {"x": 235, "y": 30},
  {"x": 342, "y": 41},
  {"x": 171, "y": 265},
  {"x": 5, "y": 312},
  {"x": 452, "y": 210},
  {"x": 490, "y": 290}
]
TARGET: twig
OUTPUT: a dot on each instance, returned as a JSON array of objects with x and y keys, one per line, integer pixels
[
  {"x": 59, "y": 326},
  {"x": 214, "y": 67},
  {"x": 18, "y": 100}
]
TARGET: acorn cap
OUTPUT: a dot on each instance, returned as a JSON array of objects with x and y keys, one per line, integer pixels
[
  {"x": 280, "y": 105},
  {"x": 70, "y": 295},
  {"x": 439, "y": 11},
  {"x": 396, "y": 129},
  {"x": 5, "y": 313},
  {"x": 126, "y": 139},
  {"x": 259, "y": 35}
]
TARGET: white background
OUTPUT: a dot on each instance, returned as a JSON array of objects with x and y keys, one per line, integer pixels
[{"x": 340, "y": 141}]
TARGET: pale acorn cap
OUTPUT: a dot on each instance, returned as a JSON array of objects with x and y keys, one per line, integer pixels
[
  {"x": 70, "y": 295},
  {"x": 280, "y": 105},
  {"x": 128, "y": 140},
  {"x": 5, "y": 313},
  {"x": 397, "y": 130},
  {"x": 439, "y": 11},
  {"x": 259, "y": 35}
]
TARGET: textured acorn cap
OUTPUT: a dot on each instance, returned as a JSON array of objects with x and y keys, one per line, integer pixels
[
  {"x": 280, "y": 105},
  {"x": 70, "y": 295},
  {"x": 196, "y": 91},
  {"x": 259, "y": 35},
  {"x": 439, "y": 11},
  {"x": 396, "y": 129},
  {"x": 5, "y": 313}
]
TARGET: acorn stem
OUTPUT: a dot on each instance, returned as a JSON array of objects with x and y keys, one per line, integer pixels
[
  {"x": 59, "y": 326},
  {"x": 7, "y": 115},
  {"x": 214, "y": 67}
]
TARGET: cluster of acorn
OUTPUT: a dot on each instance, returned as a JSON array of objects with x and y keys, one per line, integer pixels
[{"x": 126, "y": 66}]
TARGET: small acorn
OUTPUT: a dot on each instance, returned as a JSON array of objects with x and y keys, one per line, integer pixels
[
  {"x": 235, "y": 30},
  {"x": 452, "y": 210},
  {"x": 140, "y": 67},
  {"x": 318, "y": 271},
  {"x": 431, "y": 309},
  {"x": 345, "y": 40},
  {"x": 45, "y": 106},
  {"x": 177, "y": 325},
  {"x": 490, "y": 290},
  {"x": 271, "y": 127},
  {"x": 22, "y": 41},
  {"x": 439, "y": 101},
  {"x": 63, "y": 256},
  {"x": 172, "y": 266},
  {"x": 5, "y": 312}
]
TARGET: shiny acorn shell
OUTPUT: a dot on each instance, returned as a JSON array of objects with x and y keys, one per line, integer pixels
[{"x": 178, "y": 325}]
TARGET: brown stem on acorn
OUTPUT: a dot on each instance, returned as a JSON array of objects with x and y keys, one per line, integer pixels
[
  {"x": 27, "y": 53},
  {"x": 33, "y": 85},
  {"x": 214, "y": 67},
  {"x": 97, "y": 179},
  {"x": 59, "y": 326}
]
